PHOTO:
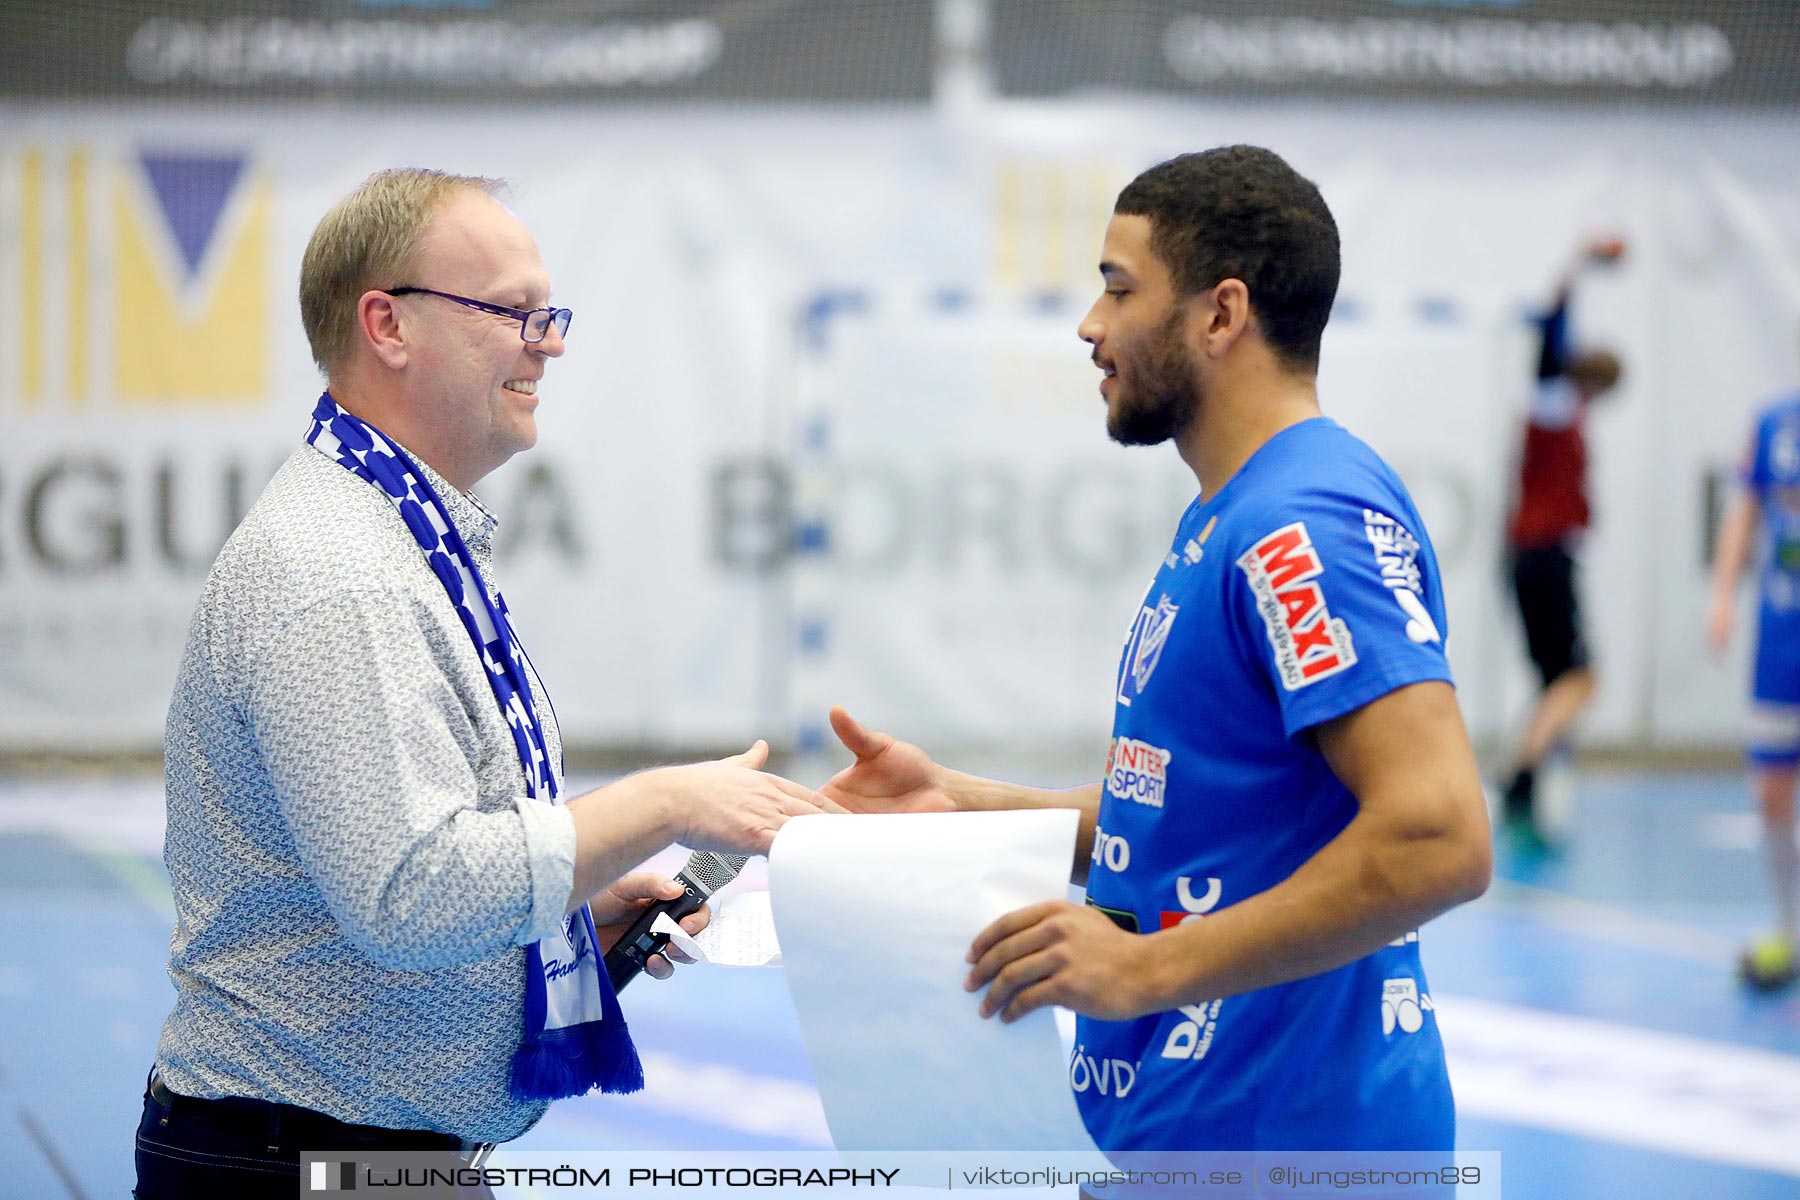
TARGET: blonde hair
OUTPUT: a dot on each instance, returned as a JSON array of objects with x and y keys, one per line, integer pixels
[{"x": 367, "y": 241}]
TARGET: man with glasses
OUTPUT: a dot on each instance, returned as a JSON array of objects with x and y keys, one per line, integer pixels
[{"x": 383, "y": 933}]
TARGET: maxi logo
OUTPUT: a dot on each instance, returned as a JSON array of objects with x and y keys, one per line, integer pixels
[
  {"x": 1309, "y": 643},
  {"x": 1144, "y": 647},
  {"x": 1397, "y": 556},
  {"x": 1137, "y": 771}
]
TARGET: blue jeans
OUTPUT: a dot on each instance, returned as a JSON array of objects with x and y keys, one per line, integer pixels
[{"x": 190, "y": 1149}]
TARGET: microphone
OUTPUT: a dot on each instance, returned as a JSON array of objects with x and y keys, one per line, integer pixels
[{"x": 704, "y": 874}]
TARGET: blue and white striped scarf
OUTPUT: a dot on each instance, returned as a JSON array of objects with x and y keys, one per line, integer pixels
[{"x": 574, "y": 1037}]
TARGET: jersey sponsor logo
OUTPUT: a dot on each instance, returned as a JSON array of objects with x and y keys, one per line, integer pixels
[
  {"x": 1112, "y": 1077},
  {"x": 1309, "y": 643},
  {"x": 1191, "y": 1039},
  {"x": 1192, "y": 551},
  {"x": 1123, "y": 918},
  {"x": 1144, "y": 647},
  {"x": 1110, "y": 851},
  {"x": 1419, "y": 625},
  {"x": 1397, "y": 557},
  {"x": 1137, "y": 771},
  {"x": 1402, "y": 1007},
  {"x": 1193, "y": 907}
]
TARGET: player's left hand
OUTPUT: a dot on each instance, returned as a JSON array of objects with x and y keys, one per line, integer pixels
[
  {"x": 1721, "y": 616},
  {"x": 619, "y": 905},
  {"x": 1059, "y": 952}
]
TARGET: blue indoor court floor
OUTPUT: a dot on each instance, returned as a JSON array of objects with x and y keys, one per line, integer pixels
[{"x": 1597, "y": 1038}]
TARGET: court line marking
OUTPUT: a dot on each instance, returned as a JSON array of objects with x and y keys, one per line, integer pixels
[
  {"x": 41, "y": 1140},
  {"x": 1735, "y": 831},
  {"x": 1716, "y": 1106},
  {"x": 1614, "y": 923},
  {"x": 1592, "y": 1079},
  {"x": 1623, "y": 1083}
]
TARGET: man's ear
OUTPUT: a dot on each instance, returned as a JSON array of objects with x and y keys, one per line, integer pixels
[
  {"x": 1225, "y": 316},
  {"x": 378, "y": 321}
]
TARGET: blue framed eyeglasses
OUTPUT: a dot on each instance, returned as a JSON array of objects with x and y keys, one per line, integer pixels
[{"x": 534, "y": 324}]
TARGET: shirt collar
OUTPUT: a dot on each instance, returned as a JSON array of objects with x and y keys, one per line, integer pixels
[{"x": 473, "y": 520}]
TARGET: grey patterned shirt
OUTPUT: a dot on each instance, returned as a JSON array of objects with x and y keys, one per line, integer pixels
[{"x": 356, "y": 866}]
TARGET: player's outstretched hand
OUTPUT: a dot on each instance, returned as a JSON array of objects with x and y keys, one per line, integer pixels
[
  {"x": 888, "y": 776},
  {"x": 1059, "y": 952},
  {"x": 1607, "y": 249},
  {"x": 732, "y": 805},
  {"x": 619, "y": 905}
]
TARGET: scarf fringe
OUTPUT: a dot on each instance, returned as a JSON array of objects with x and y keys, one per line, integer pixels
[{"x": 561, "y": 1063}]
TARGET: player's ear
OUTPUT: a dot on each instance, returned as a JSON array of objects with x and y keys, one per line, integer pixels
[
  {"x": 379, "y": 323},
  {"x": 1224, "y": 314}
]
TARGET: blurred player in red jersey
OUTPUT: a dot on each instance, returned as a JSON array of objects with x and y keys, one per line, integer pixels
[{"x": 1544, "y": 533}]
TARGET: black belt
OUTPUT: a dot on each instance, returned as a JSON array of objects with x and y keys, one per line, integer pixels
[{"x": 304, "y": 1128}]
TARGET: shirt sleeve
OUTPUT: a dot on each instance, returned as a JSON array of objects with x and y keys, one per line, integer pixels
[
  {"x": 1341, "y": 604},
  {"x": 1553, "y": 339},
  {"x": 370, "y": 751}
]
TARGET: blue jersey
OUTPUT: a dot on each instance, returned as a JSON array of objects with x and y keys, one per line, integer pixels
[
  {"x": 1772, "y": 475},
  {"x": 1303, "y": 590}
]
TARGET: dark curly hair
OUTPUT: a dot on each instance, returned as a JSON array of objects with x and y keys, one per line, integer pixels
[{"x": 1240, "y": 212}]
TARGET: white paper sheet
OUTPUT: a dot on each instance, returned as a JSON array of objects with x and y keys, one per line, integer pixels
[
  {"x": 679, "y": 937},
  {"x": 875, "y": 914},
  {"x": 740, "y": 934}
]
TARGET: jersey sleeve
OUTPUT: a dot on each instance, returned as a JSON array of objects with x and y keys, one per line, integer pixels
[
  {"x": 1553, "y": 339},
  {"x": 1340, "y": 602},
  {"x": 1753, "y": 470}
]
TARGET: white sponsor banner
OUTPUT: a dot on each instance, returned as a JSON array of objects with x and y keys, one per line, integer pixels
[
  {"x": 824, "y": 432},
  {"x": 158, "y": 375}
]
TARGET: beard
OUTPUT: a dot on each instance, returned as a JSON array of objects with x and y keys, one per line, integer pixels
[{"x": 1163, "y": 394}]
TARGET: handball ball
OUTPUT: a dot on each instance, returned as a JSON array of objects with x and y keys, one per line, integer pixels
[{"x": 1606, "y": 249}]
